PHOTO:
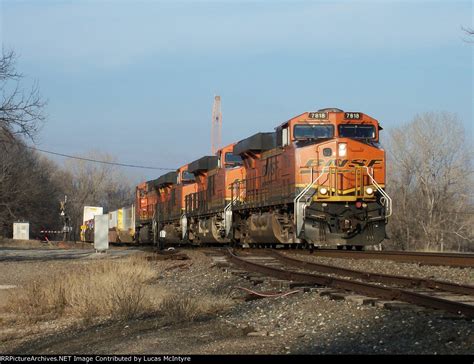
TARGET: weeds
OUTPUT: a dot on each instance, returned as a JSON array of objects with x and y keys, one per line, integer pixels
[
  {"x": 112, "y": 289},
  {"x": 179, "y": 308},
  {"x": 99, "y": 289}
]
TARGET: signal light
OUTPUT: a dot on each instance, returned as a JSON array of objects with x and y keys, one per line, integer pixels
[{"x": 358, "y": 204}]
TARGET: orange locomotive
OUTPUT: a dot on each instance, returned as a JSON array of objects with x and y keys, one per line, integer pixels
[{"x": 319, "y": 179}]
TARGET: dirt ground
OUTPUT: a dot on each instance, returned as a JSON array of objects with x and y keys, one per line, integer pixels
[{"x": 301, "y": 323}]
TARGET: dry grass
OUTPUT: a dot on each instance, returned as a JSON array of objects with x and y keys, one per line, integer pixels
[
  {"x": 104, "y": 288},
  {"x": 179, "y": 308},
  {"x": 24, "y": 244},
  {"x": 112, "y": 289}
]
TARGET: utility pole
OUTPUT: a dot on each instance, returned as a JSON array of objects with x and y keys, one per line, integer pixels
[{"x": 216, "y": 128}]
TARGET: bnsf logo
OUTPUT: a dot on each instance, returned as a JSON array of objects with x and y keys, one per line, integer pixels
[{"x": 343, "y": 162}]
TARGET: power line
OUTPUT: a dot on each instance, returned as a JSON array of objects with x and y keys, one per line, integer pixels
[{"x": 98, "y": 161}]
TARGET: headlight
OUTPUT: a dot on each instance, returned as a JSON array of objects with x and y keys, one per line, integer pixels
[
  {"x": 342, "y": 149},
  {"x": 369, "y": 190},
  {"x": 323, "y": 190}
]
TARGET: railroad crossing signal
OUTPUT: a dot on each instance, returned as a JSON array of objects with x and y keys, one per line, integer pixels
[{"x": 66, "y": 221}]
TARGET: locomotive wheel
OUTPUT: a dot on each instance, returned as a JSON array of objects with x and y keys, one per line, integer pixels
[
  {"x": 348, "y": 247},
  {"x": 359, "y": 247},
  {"x": 339, "y": 247}
]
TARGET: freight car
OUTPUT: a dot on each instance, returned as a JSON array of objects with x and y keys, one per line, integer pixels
[
  {"x": 318, "y": 179},
  {"x": 121, "y": 226}
]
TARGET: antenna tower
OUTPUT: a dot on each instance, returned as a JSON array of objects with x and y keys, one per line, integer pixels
[{"x": 216, "y": 129}]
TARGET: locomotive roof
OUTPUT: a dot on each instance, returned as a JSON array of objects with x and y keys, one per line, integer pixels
[
  {"x": 166, "y": 179},
  {"x": 324, "y": 114},
  {"x": 256, "y": 142},
  {"x": 203, "y": 164}
]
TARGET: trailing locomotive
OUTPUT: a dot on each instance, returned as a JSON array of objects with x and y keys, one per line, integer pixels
[{"x": 318, "y": 179}]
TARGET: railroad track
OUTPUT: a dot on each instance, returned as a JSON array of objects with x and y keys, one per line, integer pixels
[
  {"x": 453, "y": 298},
  {"x": 447, "y": 259},
  {"x": 465, "y": 260}
]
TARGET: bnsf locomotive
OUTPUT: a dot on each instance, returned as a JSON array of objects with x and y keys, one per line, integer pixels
[{"x": 317, "y": 180}]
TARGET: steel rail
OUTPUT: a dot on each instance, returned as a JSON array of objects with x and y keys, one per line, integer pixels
[
  {"x": 447, "y": 259},
  {"x": 358, "y": 287},
  {"x": 376, "y": 277}
]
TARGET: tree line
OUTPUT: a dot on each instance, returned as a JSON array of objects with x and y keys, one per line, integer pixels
[
  {"x": 430, "y": 179},
  {"x": 429, "y": 175},
  {"x": 31, "y": 185}
]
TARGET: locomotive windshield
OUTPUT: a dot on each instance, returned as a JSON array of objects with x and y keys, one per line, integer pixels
[
  {"x": 305, "y": 131},
  {"x": 357, "y": 131},
  {"x": 233, "y": 159},
  {"x": 187, "y": 176}
]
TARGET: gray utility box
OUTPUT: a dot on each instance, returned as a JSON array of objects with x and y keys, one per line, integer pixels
[
  {"x": 101, "y": 232},
  {"x": 21, "y": 231}
]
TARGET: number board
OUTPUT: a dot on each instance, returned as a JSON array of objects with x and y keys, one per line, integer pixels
[
  {"x": 318, "y": 115},
  {"x": 353, "y": 115}
]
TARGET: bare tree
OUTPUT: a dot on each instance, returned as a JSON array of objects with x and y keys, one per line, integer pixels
[
  {"x": 89, "y": 184},
  {"x": 431, "y": 180},
  {"x": 27, "y": 190},
  {"x": 21, "y": 111},
  {"x": 470, "y": 33},
  {"x": 30, "y": 186}
]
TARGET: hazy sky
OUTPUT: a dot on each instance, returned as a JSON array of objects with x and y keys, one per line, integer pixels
[{"x": 138, "y": 79}]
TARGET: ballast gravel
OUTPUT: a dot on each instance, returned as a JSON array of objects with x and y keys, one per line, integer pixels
[
  {"x": 299, "y": 323},
  {"x": 307, "y": 323}
]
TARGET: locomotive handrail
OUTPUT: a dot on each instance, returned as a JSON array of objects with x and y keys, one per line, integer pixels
[
  {"x": 306, "y": 189},
  {"x": 229, "y": 207},
  {"x": 382, "y": 192},
  {"x": 226, "y": 209},
  {"x": 300, "y": 196}
]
